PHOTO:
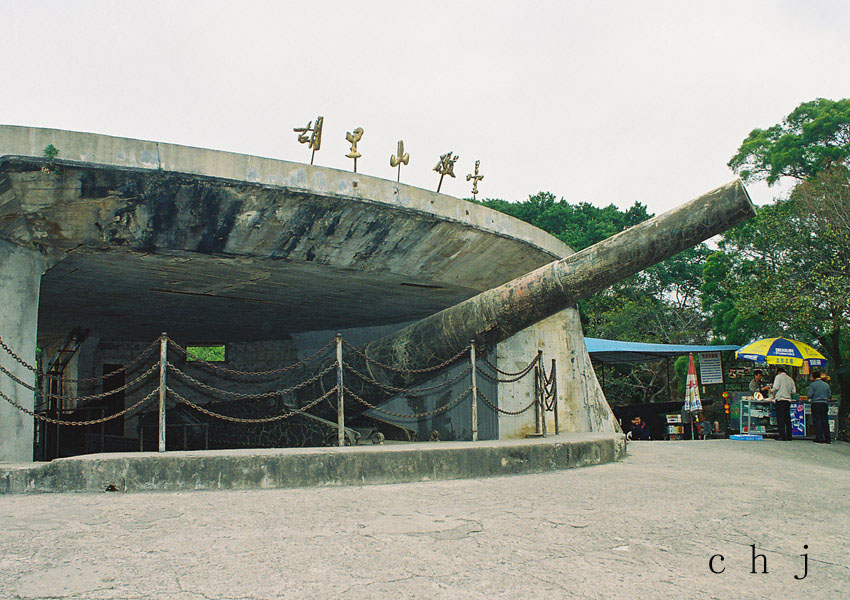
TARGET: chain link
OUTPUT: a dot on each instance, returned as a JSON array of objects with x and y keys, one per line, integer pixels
[
  {"x": 442, "y": 365},
  {"x": 215, "y": 415},
  {"x": 269, "y": 394},
  {"x": 430, "y": 413},
  {"x": 489, "y": 377},
  {"x": 304, "y": 362},
  {"x": 409, "y": 391},
  {"x": 512, "y": 413},
  {"x": 78, "y": 423},
  {"x": 80, "y": 398},
  {"x": 17, "y": 358},
  {"x": 128, "y": 367},
  {"x": 521, "y": 372}
]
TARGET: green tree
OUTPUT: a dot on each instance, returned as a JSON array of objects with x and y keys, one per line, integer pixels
[
  {"x": 790, "y": 267},
  {"x": 577, "y": 225},
  {"x": 813, "y": 137}
]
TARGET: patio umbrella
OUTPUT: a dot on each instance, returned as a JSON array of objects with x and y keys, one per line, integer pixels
[
  {"x": 692, "y": 400},
  {"x": 781, "y": 351}
]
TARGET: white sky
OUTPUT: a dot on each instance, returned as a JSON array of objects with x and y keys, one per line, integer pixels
[{"x": 602, "y": 102}]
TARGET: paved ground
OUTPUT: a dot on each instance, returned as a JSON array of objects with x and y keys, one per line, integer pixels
[{"x": 642, "y": 528}]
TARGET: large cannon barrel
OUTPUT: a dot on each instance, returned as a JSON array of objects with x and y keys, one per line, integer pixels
[{"x": 499, "y": 313}]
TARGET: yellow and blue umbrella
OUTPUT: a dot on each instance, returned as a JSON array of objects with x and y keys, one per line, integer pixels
[{"x": 781, "y": 351}]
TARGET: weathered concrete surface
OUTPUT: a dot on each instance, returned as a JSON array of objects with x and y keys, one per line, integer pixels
[
  {"x": 20, "y": 274},
  {"x": 645, "y": 527},
  {"x": 581, "y": 403},
  {"x": 131, "y": 154},
  {"x": 498, "y": 313},
  {"x": 303, "y": 467},
  {"x": 289, "y": 247}
]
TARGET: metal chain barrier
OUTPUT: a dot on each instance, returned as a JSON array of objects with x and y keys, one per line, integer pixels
[
  {"x": 269, "y": 394},
  {"x": 126, "y": 367},
  {"x": 79, "y": 423},
  {"x": 80, "y": 398},
  {"x": 17, "y": 358},
  {"x": 442, "y": 365},
  {"x": 521, "y": 373},
  {"x": 215, "y": 415},
  {"x": 430, "y": 413},
  {"x": 216, "y": 367},
  {"x": 489, "y": 377},
  {"x": 512, "y": 413},
  {"x": 408, "y": 391},
  {"x": 549, "y": 397}
]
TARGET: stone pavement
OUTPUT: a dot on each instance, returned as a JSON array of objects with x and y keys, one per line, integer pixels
[{"x": 645, "y": 527}]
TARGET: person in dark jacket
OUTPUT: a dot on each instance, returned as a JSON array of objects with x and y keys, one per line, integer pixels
[
  {"x": 639, "y": 430},
  {"x": 819, "y": 395}
]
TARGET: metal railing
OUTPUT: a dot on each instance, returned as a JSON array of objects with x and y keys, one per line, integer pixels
[{"x": 355, "y": 374}]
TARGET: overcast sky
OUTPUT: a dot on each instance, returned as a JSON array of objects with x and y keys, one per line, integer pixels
[{"x": 601, "y": 102}]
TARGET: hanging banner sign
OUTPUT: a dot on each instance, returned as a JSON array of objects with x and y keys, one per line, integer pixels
[{"x": 710, "y": 368}]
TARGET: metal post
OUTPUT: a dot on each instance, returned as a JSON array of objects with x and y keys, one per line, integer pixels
[
  {"x": 542, "y": 376},
  {"x": 538, "y": 393},
  {"x": 340, "y": 410},
  {"x": 555, "y": 395},
  {"x": 163, "y": 359},
  {"x": 472, "y": 359}
]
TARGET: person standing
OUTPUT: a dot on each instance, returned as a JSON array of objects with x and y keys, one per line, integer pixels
[
  {"x": 819, "y": 396},
  {"x": 759, "y": 385},
  {"x": 783, "y": 387}
]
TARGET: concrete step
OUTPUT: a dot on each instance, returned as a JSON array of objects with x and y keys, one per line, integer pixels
[{"x": 305, "y": 467}]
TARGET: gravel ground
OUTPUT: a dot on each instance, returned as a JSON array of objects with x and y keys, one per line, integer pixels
[{"x": 645, "y": 527}]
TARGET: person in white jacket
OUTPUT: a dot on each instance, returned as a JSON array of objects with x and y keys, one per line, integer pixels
[{"x": 783, "y": 387}]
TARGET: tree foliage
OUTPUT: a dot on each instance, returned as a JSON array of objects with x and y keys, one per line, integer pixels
[
  {"x": 810, "y": 139},
  {"x": 577, "y": 225},
  {"x": 790, "y": 266}
]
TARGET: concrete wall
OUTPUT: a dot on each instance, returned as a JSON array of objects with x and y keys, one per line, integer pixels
[
  {"x": 156, "y": 156},
  {"x": 581, "y": 404},
  {"x": 20, "y": 276}
]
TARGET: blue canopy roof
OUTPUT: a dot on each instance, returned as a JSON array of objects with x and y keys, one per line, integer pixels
[{"x": 615, "y": 351}]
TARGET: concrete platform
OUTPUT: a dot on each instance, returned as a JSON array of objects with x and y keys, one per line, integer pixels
[{"x": 306, "y": 467}]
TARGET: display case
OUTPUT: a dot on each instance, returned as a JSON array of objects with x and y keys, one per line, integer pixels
[{"x": 757, "y": 416}]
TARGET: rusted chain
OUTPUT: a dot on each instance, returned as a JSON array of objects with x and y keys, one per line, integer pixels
[
  {"x": 430, "y": 413},
  {"x": 523, "y": 371},
  {"x": 201, "y": 361},
  {"x": 54, "y": 376},
  {"x": 216, "y": 415},
  {"x": 79, "y": 423},
  {"x": 442, "y": 365},
  {"x": 512, "y": 413},
  {"x": 128, "y": 367},
  {"x": 269, "y": 394},
  {"x": 409, "y": 391},
  {"x": 489, "y": 377},
  {"x": 80, "y": 398},
  {"x": 17, "y": 358}
]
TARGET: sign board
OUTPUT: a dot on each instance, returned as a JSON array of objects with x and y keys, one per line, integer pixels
[
  {"x": 798, "y": 419},
  {"x": 710, "y": 368}
]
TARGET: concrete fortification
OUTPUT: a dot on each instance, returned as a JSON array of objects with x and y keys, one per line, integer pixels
[{"x": 124, "y": 239}]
